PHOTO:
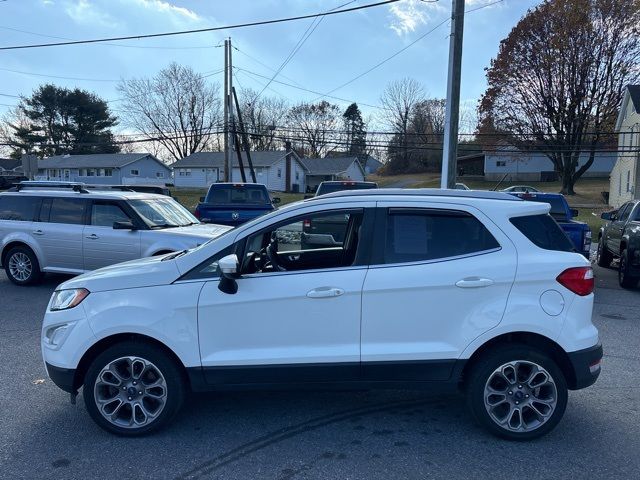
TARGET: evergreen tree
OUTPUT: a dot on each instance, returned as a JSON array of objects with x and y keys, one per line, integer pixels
[{"x": 356, "y": 130}]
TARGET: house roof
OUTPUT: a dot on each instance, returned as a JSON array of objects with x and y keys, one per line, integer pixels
[
  {"x": 216, "y": 159},
  {"x": 632, "y": 92},
  {"x": 329, "y": 165},
  {"x": 98, "y": 160},
  {"x": 9, "y": 163}
]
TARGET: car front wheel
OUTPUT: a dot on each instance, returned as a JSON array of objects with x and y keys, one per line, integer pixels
[
  {"x": 22, "y": 266},
  {"x": 133, "y": 388},
  {"x": 517, "y": 393}
]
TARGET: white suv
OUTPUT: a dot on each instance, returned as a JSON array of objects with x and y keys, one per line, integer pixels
[
  {"x": 59, "y": 229},
  {"x": 477, "y": 291}
]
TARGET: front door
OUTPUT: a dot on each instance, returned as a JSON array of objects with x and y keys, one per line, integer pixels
[
  {"x": 616, "y": 228},
  {"x": 296, "y": 314},
  {"x": 104, "y": 245},
  {"x": 439, "y": 277}
]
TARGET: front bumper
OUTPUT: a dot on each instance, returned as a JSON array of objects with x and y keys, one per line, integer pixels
[
  {"x": 586, "y": 366},
  {"x": 64, "y": 378}
]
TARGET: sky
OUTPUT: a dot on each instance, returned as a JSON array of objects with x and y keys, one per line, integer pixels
[{"x": 340, "y": 48}]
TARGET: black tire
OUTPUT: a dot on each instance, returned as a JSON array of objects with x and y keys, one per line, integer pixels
[
  {"x": 604, "y": 256},
  {"x": 484, "y": 369},
  {"x": 625, "y": 279},
  {"x": 23, "y": 251},
  {"x": 174, "y": 382}
]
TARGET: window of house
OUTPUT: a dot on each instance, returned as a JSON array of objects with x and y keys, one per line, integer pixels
[
  {"x": 297, "y": 175},
  {"x": 187, "y": 172},
  {"x": 279, "y": 173},
  {"x": 159, "y": 174},
  {"x": 108, "y": 172},
  {"x": 100, "y": 172},
  {"x": 415, "y": 235},
  {"x": 628, "y": 180},
  {"x": 82, "y": 172},
  {"x": 91, "y": 172},
  {"x": 135, "y": 172},
  {"x": 620, "y": 185},
  {"x": 501, "y": 163}
]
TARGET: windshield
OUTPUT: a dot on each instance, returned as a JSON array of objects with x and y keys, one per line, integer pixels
[
  {"x": 337, "y": 187},
  {"x": 250, "y": 194},
  {"x": 163, "y": 213}
]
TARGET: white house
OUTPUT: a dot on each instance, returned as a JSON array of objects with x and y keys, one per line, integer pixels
[
  {"x": 105, "y": 169},
  {"x": 625, "y": 175},
  {"x": 332, "y": 168},
  {"x": 201, "y": 169},
  {"x": 534, "y": 166}
]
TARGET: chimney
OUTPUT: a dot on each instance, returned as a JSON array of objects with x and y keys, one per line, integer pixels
[{"x": 287, "y": 169}]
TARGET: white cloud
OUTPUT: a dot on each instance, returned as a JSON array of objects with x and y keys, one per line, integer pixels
[
  {"x": 160, "y": 6},
  {"x": 407, "y": 15},
  {"x": 89, "y": 14}
]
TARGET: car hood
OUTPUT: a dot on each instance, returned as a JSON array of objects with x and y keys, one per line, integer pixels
[
  {"x": 201, "y": 230},
  {"x": 144, "y": 272}
]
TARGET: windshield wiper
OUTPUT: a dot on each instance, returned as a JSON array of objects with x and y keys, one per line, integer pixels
[
  {"x": 164, "y": 225},
  {"x": 174, "y": 255}
]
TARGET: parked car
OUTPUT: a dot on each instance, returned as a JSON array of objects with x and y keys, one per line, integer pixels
[
  {"x": 578, "y": 232},
  {"x": 159, "y": 189},
  {"x": 461, "y": 186},
  {"x": 341, "y": 185},
  {"x": 520, "y": 189},
  {"x": 620, "y": 238},
  {"x": 7, "y": 181},
  {"x": 433, "y": 289},
  {"x": 54, "y": 229},
  {"x": 235, "y": 203}
]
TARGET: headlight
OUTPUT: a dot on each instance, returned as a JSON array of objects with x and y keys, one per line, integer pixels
[{"x": 64, "y": 299}]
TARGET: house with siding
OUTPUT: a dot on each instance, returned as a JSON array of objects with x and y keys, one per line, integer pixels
[
  {"x": 523, "y": 166},
  {"x": 201, "y": 169},
  {"x": 625, "y": 176},
  {"x": 105, "y": 169},
  {"x": 332, "y": 168}
]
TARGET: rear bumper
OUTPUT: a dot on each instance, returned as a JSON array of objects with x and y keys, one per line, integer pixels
[
  {"x": 586, "y": 366},
  {"x": 62, "y": 377}
]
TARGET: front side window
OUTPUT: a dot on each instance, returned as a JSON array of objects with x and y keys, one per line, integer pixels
[
  {"x": 13, "y": 207},
  {"x": 419, "y": 235},
  {"x": 319, "y": 240},
  {"x": 624, "y": 212},
  {"x": 106, "y": 214},
  {"x": 67, "y": 210}
]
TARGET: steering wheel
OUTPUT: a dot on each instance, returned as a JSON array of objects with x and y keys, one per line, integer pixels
[{"x": 271, "y": 252}]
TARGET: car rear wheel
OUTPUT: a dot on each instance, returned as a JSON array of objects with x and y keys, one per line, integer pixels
[
  {"x": 604, "y": 256},
  {"x": 133, "y": 388},
  {"x": 625, "y": 278},
  {"x": 22, "y": 266},
  {"x": 517, "y": 393}
]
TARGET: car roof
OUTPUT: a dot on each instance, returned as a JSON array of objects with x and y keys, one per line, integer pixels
[
  {"x": 90, "y": 194},
  {"x": 421, "y": 192},
  {"x": 539, "y": 194},
  {"x": 343, "y": 182}
]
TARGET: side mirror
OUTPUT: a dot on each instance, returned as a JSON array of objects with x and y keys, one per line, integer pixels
[
  {"x": 276, "y": 200},
  {"x": 124, "y": 226},
  {"x": 202, "y": 199},
  {"x": 574, "y": 212},
  {"x": 228, "y": 267},
  {"x": 607, "y": 216}
]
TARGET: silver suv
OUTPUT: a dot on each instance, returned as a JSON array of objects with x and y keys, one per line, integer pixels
[{"x": 48, "y": 229}]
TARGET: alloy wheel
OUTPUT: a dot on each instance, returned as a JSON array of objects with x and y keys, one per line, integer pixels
[
  {"x": 130, "y": 392},
  {"x": 520, "y": 396},
  {"x": 20, "y": 266}
]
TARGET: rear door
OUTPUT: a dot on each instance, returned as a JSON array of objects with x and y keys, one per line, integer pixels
[
  {"x": 103, "y": 245},
  {"x": 60, "y": 231},
  {"x": 440, "y": 276}
]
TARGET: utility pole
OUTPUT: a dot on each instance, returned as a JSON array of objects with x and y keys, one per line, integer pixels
[
  {"x": 452, "y": 117},
  {"x": 227, "y": 173},
  {"x": 228, "y": 99}
]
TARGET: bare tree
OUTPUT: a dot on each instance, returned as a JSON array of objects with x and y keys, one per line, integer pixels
[
  {"x": 313, "y": 126},
  {"x": 557, "y": 82},
  {"x": 177, "y": 108},
  {"x": 262, "y": 117}
]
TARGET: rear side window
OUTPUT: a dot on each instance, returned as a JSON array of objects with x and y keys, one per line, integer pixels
[
  {"x": 414, "y": 236},
  {"x": 544, "y": 232},
  {"x": 67, "y": 210},
  {"x": 13, "y": 207}
]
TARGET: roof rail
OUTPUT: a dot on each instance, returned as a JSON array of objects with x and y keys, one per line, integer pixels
[
  {"x": 426, "y": 192},
  {"x": 75, "y": 186}
]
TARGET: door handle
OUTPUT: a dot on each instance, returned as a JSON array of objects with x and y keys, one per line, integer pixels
[
  {"x": 93, "y": 236},
  {"x": 38, "y": 232},
  {"x": 325, "y": 292},
  {"x": 474, "y": 282}
]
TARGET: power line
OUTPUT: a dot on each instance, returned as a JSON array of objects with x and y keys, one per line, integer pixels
[
  {"x": 200, "y": 30},
  {"x": 259, "y": 62}
]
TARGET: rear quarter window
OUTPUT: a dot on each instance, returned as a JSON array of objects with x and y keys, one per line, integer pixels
[{"x": 544, "y": 232}]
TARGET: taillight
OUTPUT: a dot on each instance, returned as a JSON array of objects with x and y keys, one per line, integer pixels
[
  {"x": 579, "y": 280},
  {"x": 196, "y": 212}
]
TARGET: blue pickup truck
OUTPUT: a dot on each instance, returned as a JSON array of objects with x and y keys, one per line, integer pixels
[
  {"x": 578, "y": 232},
  {"x": 234, "y": 203}
]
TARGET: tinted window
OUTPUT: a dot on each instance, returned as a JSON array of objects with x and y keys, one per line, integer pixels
[
  {"x": 67, "y": 210},
  {"x": 544, "y": 232},
  {"x": 105, "y": 214},
  {"x": 636, "y": 214},
  {"x": 13, "y": 207},
  {"x": 414, "y": 236},
  {"x": 624, "y": 212},
  {"x": 338, "y": 187},
  {"x": 238, "y": 194}
]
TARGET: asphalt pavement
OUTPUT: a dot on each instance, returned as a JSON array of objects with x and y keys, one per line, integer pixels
[{"x": 316, "y": 435}]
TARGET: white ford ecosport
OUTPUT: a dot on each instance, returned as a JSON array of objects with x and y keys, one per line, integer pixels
[{"x": 474, "y": 291}]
